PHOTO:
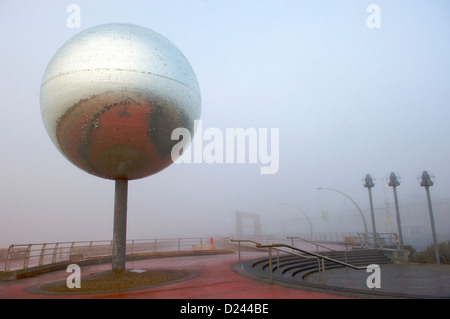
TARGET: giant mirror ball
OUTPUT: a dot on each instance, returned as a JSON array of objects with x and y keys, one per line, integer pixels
[{"x": 111, "y": 97}]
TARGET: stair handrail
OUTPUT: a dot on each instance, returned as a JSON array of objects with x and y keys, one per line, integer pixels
[
  {"x": 245, "y": 240},
  {"x": 318, "y": 245},
  {"x": 311, "y": 242},
  {"x": 312, "y": 254},
  {"x": 239, "y": 244}
]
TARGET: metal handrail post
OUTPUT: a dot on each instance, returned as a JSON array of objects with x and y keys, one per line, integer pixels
[
  {"x": 345, "y": 255},
  {"x": 27, "y": 257},
  {"x": 239, "y": 251},
  {"x": 55, "y": 250},
  {"x": 278, "y": 259},
  {"x": 318, "y": 266},
  {"x": 8, "y": 257},
  {"x": 323, "y": 271},
  {"x": 270, "y": 263},
  {"x": 41, "y": 257},
  {"x": 90, "y": 248}
]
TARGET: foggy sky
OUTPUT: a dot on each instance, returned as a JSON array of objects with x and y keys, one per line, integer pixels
[{"x": 348, "y": 101}]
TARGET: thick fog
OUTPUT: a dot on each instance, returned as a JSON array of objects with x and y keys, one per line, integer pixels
[{"x": 344, "y": 88}]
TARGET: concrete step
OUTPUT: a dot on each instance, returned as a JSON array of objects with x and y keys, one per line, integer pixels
[{"x": 296, "y": 268}]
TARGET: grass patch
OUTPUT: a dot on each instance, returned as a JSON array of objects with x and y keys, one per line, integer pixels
[
  {"x": 428, "y": 256},
  {"x": 113, "y": 281}
]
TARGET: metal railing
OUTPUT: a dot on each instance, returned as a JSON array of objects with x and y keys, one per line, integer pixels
[
  {"x": 24, "y": 256},
  {"x": 322, "y": 246},
  {"x": 383, "y": 240},
  {"x": 312, "y": 242},
  {"x": 320, "y": 258},
  {"x": 356, "y": 239}
]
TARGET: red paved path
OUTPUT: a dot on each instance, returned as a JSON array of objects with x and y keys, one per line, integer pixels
[{"x": 218, "y": 281}]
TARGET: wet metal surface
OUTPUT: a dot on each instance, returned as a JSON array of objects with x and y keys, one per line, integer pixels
[
  {"x": 113, "y": 94},
  {"x": 99, "y": 133}
]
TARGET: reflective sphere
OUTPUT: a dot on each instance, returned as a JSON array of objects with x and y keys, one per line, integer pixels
[{"x": 111, "y": 97}]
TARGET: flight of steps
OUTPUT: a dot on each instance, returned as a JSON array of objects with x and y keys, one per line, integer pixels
[{"x": 295, "y": 268}]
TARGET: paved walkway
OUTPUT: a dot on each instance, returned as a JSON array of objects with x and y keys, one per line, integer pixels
[
  {"x": 219, "y": 281},
  {"x": 408, "y": 280}
]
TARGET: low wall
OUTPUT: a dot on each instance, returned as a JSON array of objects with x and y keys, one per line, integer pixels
[{"x": 37, "y": 270}]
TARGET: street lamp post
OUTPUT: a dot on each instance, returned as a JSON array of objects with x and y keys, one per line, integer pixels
[
  {"x": 427, "y": 182},
  {"x": 359, "y": 209},
  {"x": 368, "y": 183},
  {"x": 394, "y": 182},
  {"x": 307, "y": 218}
]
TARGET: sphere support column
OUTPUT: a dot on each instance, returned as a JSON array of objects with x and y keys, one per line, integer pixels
[{"x": 120, "y": 225}]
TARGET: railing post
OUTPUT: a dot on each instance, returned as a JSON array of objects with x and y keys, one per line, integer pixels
[
  {"x": 90, "y": 248},
  {"x": 323, "y": 271},
  {"x": 27, "y": 257},
  {"x": 358, "y": 239},
  {"x": 8, "y": 257},
  {"x": 345, "y": 255},
  {"x": 278, "y": 259},
  {"x": 55, "y": 250},
  {"x": 239, "y": 250},
  {"x": 179, "y": 240},
  {"x": 132, "y": 246},
  {"x": 318, "y": 263},
  {"x": 270, "y": 263},
  {"x": 71, "y": 248},
  {"x": 154, "y": 247},
  {"x": 41, "y": 257}
]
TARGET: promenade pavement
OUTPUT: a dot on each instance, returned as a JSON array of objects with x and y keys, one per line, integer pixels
[
  {"x": 220, "y": 278},
  {"x": 217, "y": 281}
]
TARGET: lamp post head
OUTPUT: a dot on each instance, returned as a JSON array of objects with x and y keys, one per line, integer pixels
[
  {"x": 368, "y": 181},
  {"x": 426, "y": 180},
  {"x": 393, "y": 180}
]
